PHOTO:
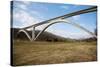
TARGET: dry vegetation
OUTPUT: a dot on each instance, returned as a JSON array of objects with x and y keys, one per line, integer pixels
[{"x": 25, "y": 52}]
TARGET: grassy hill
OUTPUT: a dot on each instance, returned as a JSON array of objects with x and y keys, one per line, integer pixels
[{"x": 45, "y": 36}]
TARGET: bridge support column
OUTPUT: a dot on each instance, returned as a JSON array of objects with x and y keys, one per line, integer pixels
[{"x": 33, "y": 33}]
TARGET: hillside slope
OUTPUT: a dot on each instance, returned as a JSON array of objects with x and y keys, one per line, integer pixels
[{"x": 45, "y": 36}]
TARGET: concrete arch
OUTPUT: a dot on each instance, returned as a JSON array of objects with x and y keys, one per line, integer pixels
[
  {"x": 26, "y": 33},
  {"x": 64, "y": 21}
]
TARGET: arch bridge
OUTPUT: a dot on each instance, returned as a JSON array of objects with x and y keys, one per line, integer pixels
[{"x": 52, "y": 21}]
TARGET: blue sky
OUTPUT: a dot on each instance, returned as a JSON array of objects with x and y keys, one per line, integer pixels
[{"x": 26, "y": 13}]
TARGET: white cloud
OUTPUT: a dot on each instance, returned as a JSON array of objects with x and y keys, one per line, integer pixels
[
  {"x": 64, "y": 7},
  {"x": 26, "y": 2},
  {"x": 24, "y": 18},
  {"x": 76, "y": 17},
  {"x": 22, "y": 6},
  {"x": 37, "y": 14}
]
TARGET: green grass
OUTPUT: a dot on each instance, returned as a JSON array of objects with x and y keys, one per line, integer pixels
[{"x": 32, "y": 53}]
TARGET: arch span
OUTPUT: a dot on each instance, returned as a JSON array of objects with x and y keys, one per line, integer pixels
[
  {"x": 26, "y": 33},
  {"x": 52, "y": 21},
  {"x": 64, "y": 21}
]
